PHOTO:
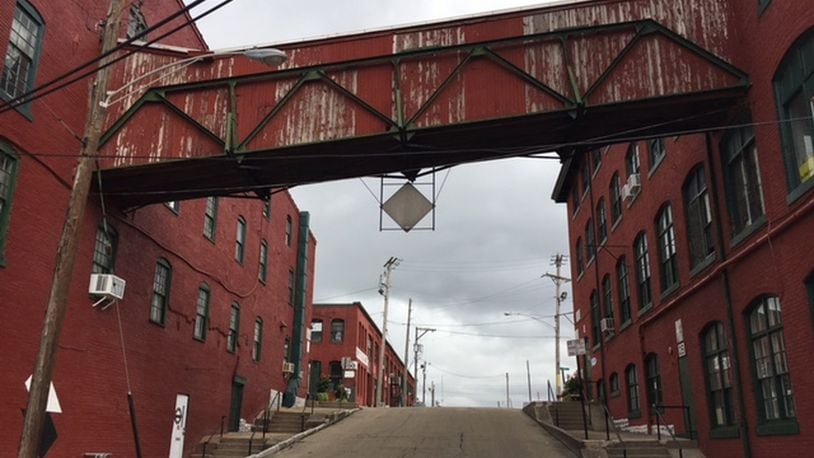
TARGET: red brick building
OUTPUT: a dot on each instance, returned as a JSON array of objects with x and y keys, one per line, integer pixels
[
  {"x": 346, "y": 331},
  {"x": 693, "y": 258},
  {"x": 215, "y": 289}
]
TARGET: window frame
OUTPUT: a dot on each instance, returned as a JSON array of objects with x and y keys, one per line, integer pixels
[
  {"x": 257, "y": 340},
  {"x": 654, "y": 391},
  {"x": 698, "y": 217},
  {"x": 615, "y": 196},
  {"x": 717, "y": 357},
  {"x": 240, "y": 240},
  {"x": 579, "y": 255},
  {"x": 234, "y": 328},
  {"x": 174, "y": 206},
  {"x": 656, "y": 152},
  {"x": 158, "y": 312},
  {"x": 319, "y": 333},
  {"x": 596, "y": 317},
  {"x": 634, "y": 403},
  {"x": 266, "y": 212},
  {"x": 263, "y": 257},
  {"x": 614, "y": 384},
  {"x": 633, "y": 164},
  {"x": 601, "y": 222},
  {"x": 643, "y": 272},
  {"x": 201, "y": 323},
  {"x": 666, "y": 237},
  {"x": 623, "y": 287},
  {"x": 291, "y": 287},
  {"x": 28, "y": 9},
  {"x": 341, "y": 332},
  {"x": 784, "y": 424},
  {"x": 590, "y": 242},
  {"x": 737, "y": 149},
  {"x": 97, "y": 267},
  {"x": 9, "y": 155},
  {"x": 289, "y": 228},
  {"x": 210, "y": 218}
]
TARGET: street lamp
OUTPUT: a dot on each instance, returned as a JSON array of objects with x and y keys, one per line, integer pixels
[
  {"x": 267, "y": 56},
  {"x": 557, "y": 342},
  {"x": 527, "y": 315}
]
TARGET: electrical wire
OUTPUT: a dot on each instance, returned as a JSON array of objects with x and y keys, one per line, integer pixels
[
  {"x": 323, "y": 299},
  {"x": 473, "y": 334},
  {"x": 458, "y": 325},
  {"x": 454, "y": 374},
  {"x": 23, "y": 99}
]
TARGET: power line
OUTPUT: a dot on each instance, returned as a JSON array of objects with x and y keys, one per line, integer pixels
[{"x": 323, "y": 299}]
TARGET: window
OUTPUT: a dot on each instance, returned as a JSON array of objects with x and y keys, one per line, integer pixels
[
  {"x": 719, "y": 383},
  {"x": 667, "y": 248},
  {"x": 267, "y": 207},
  {"x": 580, "y": 261},
  {"x": 590, "y": 241},
  {"x": 585, "y": 171},
  {"x": 744, "y": 190},
  {"x": 316, "y": 330},
  {"x": 240, "y": 240},
  {"x": 173, "y": 205},
  {"x": 794, "y": 88},
  {"x": 601, "y": 221},
  {"x": 104, "y": 250},
  {"x": 623, "y": 287},
  {"x": 290, "y": 287},
  {"x": 699, "y": 216},
  {"x": 633, "y": 406},
  {"x": 258, "y": 339},
  {"x": 762, "y": 5},
  {"x": 137, "y": 23},
  {"x": 8, "y": 176},
  {"x": 262, "y": 272},
  {"x": 615, "y": 193},
  {"x": 201, "y": 313},
  {"x": 337, "y": 331},
  {"x": 22, "y": 52},
  {"x": 234, "y": 328},
  {"x": 288, "y": 229},
  {"x": 653, "y": 380},
  {"x": 614, "y": 384},
  {"x": 773, "y": 391},
  {"x": 656, "y": 152},
  {"x": 632, "y": 159},
  {"x": 642, "y": 271},
  {"x": 600, "y": 390},
  {"x": 161, "y": 292},
  {"x": 287, "y": 349},
  {"x": 596, "y": 316},
  {"x": 574, "y": 198},
  {"x": 210, "y": 218},
  {"x": 608, "y": 296},
  {"x": 596, "y": 159}
]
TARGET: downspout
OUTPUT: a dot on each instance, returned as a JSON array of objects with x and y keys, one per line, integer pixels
[
  {"x": 298, "y": 333},
  {"x": 730, "y": 313}
]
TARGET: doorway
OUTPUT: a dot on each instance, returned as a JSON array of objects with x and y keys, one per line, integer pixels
[
  {"x": 179, "y": 425},
  {"x": 236, "y": 405}
]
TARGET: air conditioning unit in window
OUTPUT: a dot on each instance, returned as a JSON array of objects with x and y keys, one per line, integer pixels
[
  {"x": 107, "y": 287},
  {"x": 632, "y": 187},
  {"x": 606, "y": 325},
  {"x": 288, "y": 368}
]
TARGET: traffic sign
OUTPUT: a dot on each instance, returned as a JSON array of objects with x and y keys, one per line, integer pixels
[{"x": 576, "y": 347}]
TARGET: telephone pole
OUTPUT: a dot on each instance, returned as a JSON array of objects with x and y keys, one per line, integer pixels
[
  {"x": 406, "y": 352},
  {"x": 508, "y": 399},
  {"x": 432, "y": 395},
  {"x": 528, "y": 375},
  {"x": 68, "y": 246},
  {"x": 557, "y": 260},
  {"x": 385, "y": 291},
  {"x": 417, "y": 349},
  {"x": 424, "y": 384}
]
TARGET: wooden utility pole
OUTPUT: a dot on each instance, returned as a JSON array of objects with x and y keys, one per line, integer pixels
[
  {"x": 388, "y": 266},
  {"x": 406, "y": 352},
  {"x": 508, "y": 399},
  {"x": 67, "y": 247},
  {"x": 558, "y": 260}
]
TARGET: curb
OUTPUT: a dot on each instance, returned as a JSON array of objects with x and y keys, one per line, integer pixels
[{"x": 298, "y": 437}]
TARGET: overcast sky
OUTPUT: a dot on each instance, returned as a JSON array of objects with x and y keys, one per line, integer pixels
[{"x": 496, "y": 229}]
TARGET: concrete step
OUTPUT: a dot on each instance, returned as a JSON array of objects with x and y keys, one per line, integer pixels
[{"x": 638, "y": 451}]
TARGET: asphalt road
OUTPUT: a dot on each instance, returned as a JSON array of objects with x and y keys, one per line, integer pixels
[{"x": 430, "y": 433}]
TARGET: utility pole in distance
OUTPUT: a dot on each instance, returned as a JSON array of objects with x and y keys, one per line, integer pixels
[
  {"x": 68, "y": 246},
  {"x": 557, "y": 260},
  {"x": 508, "y": 400},
  {"x": 416, "y": 348},
  {"x": 385, "y": 291},
  {"x": 406, "y": 352}
]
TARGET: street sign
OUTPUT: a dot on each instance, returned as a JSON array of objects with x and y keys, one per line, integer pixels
[
  {"x": 576, "y": 347},
  {"x": 349, "y": 374},
  {"x": 349, "y": 364}
]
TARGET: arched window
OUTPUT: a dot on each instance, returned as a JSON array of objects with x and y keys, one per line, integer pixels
[
  {"x": 614, "y": 384},
  {"x": 337, "y": 331},
  {"x": 161, "y": 291},
  {"x": 633, "y": 405},
  {"x": 632, "y": 164},
  {"x": 596, "y": 317},
  {"x": 8, "y": 177},
  {"x": 607, "y": 296},
  {"x": 202, "y": 313},
  {"x": 653, "y": 378},
  {"x": 262, "y": 271},
  {"x": 717, "y": 369},
  {"x": 22, "y": 53},
  {"x": 623, "y": 288},
  {"x": 773, "y": 392},
  {"x": 210, "y": 218},
  {"x": 258, "y": 339},
  {"x": 699, "y": 216},
  {"x": 104, "y": 250},
  {"x": 234, "y": 328},
  {"x": 656, "y": 152},
  {"x": 590, "y": 242},
  {"x": 601, "y": 221},
  {"x": 580, "y": 260},
  {"x": 289, "y": 227},
  {"x": 743, "y": 186},
  {"x": 794, "y": 89},
  {"x": 615, "y": 193},
  {"x": 668, "y": 271},
  {"x": 240, "y": 239},
  {"x": 642, "y": 271}
]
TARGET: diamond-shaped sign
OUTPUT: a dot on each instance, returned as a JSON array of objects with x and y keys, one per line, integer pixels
[{"x": 407, "y": 207}]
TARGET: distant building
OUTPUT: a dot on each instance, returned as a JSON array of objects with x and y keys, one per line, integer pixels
[
  {"x": 346, "y": 331},
  {"x": 693, "y": 257},
  {"x": 214, "y": 286}
]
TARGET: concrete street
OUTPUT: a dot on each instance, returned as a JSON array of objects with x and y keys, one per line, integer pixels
[{"x": 432, "y": 432}]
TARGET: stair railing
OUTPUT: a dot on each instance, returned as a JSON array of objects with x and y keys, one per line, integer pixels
[
  {"x": 302, "y": 415},
  {"x": 209, "y": 439},
  {"x": 609, "y": 420},
  {"x": 551, "y": 395},
  {"x": 659, "y": 420},
  {"x": 251, "y": 441}
]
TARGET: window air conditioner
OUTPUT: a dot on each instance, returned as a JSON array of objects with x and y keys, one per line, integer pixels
[
  {"x": 606, "y": 325},
  {"x": 631, "y": 188},
  {"x": 288, "y": 368},
  {"x": 107, "y": 286}
]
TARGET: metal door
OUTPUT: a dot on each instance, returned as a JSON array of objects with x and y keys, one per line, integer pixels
[{"x": 179, "y": 425}]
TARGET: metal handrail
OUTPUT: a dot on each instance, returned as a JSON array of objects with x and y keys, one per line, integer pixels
[
  {"x": 659, "y": 419},
  {"x": 251, "y": 441},
  {"x": 209, "y": 439},
  {"x": 302, "y": 415},
  {"x": 551, "y": 395},
  {"x": 609, "y": 420},
  {"x": 687, "y": 416}
]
